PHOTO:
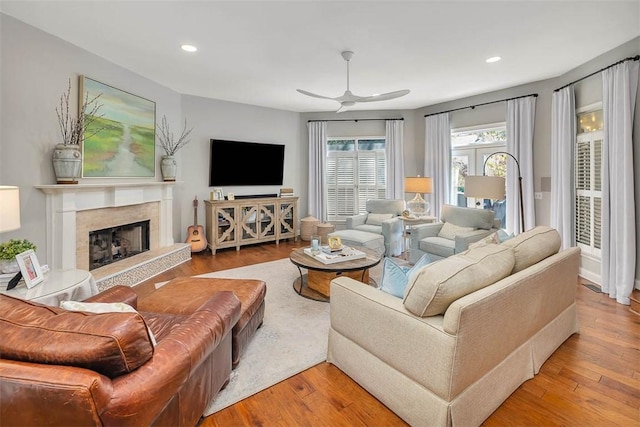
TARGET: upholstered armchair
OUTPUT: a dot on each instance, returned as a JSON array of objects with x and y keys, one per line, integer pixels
[
  {"x": 458, "y": 228},
  {"x": 381, "y": 218}
]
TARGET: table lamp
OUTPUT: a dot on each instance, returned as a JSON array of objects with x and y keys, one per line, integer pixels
[
  {"x": 9, "y": 208},
  {"x": 419, "y": 185},
  {"x": 10, "y": 218}
]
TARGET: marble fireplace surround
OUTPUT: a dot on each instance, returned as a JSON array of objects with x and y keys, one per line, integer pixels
[{"x": 73, "y": 210}]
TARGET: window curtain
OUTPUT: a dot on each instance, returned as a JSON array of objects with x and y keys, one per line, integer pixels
[
  {"x": 317, "y": 160},
  {"x": 521, "y": 114},
  {"x": 619, "y": 88},
  {"x": 437, "y": 160},
  {"x": 563, "y": 140},
  {"x": 394, "y": 149}
]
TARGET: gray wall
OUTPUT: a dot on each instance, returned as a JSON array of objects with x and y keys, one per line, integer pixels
[
  {"x": 238, "y": 122},
  {"x": 35, "y": 67}
]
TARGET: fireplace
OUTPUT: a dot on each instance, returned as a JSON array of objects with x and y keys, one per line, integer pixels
[{"x": 113, "y": 244}]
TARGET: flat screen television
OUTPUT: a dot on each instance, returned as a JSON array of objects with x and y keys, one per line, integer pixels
[{"x": 237, "y": 163}]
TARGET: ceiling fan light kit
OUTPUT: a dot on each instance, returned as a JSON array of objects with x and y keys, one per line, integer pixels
[{"x": 348, "y": 99}]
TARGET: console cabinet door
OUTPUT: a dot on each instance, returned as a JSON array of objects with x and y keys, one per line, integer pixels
[{"x": 288, "y": 220}]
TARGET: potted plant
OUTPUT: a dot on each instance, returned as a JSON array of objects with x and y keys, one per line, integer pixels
[
  {"x": 67, "y": 156},
  {"x": 170, "y": 145},
  {"x": 8, "y": 252}
]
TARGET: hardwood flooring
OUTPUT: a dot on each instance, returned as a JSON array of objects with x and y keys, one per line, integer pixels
[{"x": 593, "y": 379}]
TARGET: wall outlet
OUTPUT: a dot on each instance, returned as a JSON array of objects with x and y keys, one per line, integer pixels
[{"x": 537, "y": 195}]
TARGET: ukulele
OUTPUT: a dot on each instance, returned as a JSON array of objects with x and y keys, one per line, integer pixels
[{"x": 195, "y": 232}]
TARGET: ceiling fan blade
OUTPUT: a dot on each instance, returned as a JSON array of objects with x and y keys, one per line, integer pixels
[
  {"x": 384, "y": 96},
  {"x": 304, "y": 92},
  {"x": 342, "y": 109}
]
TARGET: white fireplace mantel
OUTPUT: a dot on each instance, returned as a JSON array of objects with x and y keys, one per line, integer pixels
[{"x": 64, "y": 201}]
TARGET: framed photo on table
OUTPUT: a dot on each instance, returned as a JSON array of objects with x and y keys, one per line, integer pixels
[{"x": 30, "y": 268}]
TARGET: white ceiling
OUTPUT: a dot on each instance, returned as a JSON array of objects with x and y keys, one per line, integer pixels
[{"x": 260, "y": 52}]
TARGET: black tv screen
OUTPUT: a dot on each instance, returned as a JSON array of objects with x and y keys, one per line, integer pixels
[{"x": 236, "y": 163}]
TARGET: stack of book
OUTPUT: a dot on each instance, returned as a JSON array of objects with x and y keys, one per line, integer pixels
[{"x": 286, "y": 192}]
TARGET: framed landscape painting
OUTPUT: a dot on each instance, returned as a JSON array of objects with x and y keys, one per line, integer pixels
[{"x": 124, "y": 146}]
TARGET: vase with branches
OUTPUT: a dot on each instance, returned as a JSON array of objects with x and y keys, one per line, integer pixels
[
  {"x": 67, "y": 156},
  {"x": 170, "y": 144}
]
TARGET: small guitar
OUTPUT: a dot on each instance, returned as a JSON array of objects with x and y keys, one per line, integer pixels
[{"x": 195, "y": 232}]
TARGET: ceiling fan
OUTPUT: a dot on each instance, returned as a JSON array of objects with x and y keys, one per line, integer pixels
[{"x": 348, "y": 99}]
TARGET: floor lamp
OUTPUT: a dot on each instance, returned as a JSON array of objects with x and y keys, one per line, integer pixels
[{"x": 492, "y": 187}]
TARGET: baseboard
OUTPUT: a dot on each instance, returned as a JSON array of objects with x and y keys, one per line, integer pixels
[{"x": 590, "y": 276}]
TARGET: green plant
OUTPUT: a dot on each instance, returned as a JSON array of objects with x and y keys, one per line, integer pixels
[{"x": 9, "y": 250}]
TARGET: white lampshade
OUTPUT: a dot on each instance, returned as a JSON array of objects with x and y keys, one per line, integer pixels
[
  {"x": 9, "y": 208},
  {"x": 484, "y": 187}
]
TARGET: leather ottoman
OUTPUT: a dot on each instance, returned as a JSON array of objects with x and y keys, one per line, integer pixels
[{"x": 185, "y": 294}]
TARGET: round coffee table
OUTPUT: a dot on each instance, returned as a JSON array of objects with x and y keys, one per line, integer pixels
[{"x": 316, "y": 283}]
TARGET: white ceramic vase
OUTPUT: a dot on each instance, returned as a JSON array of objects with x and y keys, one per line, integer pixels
[
  {"x": 169, "y": 168},
  {"x": 67, "y": 163},
  {"x": 9, "y": 266}
]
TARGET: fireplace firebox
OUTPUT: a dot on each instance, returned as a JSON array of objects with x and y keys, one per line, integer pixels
[{"x": 113, "y": 244}]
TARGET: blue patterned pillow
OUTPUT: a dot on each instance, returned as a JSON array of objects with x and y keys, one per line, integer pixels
[{"x": 396, "y": 277}]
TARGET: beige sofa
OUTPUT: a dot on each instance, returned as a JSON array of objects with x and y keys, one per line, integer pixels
[{"x": 457, "y": 367}]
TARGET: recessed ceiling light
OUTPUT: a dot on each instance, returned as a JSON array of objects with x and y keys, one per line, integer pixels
[
  {"x": 493, "y": 59},
  {"x": 188, "y": 48}
]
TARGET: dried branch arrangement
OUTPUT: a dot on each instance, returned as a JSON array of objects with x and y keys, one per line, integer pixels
[
  {"x": 72, "y": 129},
  {"x": 166, "y": 140}
]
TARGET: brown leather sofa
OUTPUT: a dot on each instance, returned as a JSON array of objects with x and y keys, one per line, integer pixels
[{"x": 68, "y": 368}]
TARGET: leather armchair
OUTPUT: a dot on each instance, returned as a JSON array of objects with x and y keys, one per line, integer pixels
[
  {"x": 427, "y": 238},
  {"x": 381, "y": 218},
  {"x": 181, "y": 375}
]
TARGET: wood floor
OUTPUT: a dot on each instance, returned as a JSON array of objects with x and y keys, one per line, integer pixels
[{"x": 593, "y": 379}]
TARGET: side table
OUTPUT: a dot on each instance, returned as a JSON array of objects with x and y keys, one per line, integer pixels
[
  {"x": 58, "y": 285},
  {"x": 409, "y": 223}
]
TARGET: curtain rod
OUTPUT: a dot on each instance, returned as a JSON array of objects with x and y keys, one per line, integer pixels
[
  {"x": 631, "y": 58},
  {"x": 350, "y": 120},
  {"x": 480, "y": 105}
]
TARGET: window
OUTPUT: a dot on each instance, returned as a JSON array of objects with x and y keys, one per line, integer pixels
[
  {"x": 588, "y": 182},
  {"x": 469, "y": 149},
  {"x": 356, "y": 172}
]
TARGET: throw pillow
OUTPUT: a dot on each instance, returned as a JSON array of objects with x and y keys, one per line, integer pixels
[
  {"x": 395, "y": 277},
  {"x": 376, "y": 219},
  {"x": 450, "y": 231},
  {"x": 503, "y": 236},
  {"x": 432, "y": 289},
  {"x": 103, "y": 307},
  {"x": 492, "y": 239}
]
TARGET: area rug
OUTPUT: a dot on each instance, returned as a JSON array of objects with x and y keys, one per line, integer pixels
[{"x": 293, "y": 336}]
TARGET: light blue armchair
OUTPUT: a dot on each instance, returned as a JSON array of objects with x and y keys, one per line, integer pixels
[
  {"x": 465, "y": 226},
  {"x": 381, "y": 218}
]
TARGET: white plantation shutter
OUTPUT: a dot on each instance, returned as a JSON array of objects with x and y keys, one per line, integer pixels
[
  {"x": 353, "y": 177},
  {"x": 588, "y": 179}
]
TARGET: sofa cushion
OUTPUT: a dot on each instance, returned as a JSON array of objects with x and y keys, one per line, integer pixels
[
  {"x": 395, "y": 277},
  {"x": 368, "y": 228},
  {"x": 438, "y": 246},
  {"x": 376, "y": 219},
  {"x": 533, "y": 246},
  {"x": 432, "y": 289},
  {"x": 450, "y": 231},
  {"x": 111, "y": 343}
]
